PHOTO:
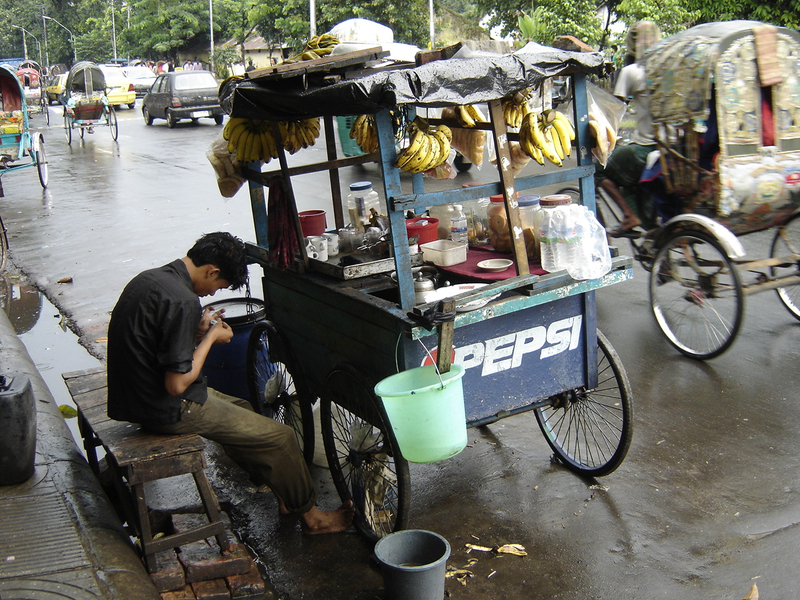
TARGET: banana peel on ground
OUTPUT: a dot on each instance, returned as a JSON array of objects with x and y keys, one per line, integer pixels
[{"x": 516, "y": 549}]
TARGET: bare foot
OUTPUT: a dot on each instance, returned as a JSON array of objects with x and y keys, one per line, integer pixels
[
  {"x": 629, "y": 222},
  {"x": 316, "y": 521}
]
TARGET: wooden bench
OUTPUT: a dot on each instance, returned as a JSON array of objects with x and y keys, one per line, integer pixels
[{"x": 135, "y": 457}]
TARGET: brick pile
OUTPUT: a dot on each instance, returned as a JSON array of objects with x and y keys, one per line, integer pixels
[{"x": 200, "y": 571}]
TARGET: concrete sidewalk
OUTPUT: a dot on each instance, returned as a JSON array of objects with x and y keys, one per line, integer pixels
[{"x": 59, "y": 535}]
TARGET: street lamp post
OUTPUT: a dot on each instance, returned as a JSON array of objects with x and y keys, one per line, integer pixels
[
  {"x": 71, "y": 37},
  {"x": 25, "y": 45}
]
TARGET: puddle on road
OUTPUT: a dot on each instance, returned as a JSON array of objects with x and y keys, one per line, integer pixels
[{"x": 53, "y": 348}]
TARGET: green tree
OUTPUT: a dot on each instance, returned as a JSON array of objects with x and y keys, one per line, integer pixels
[
  {"x": 671, "y": 16},
  {"x": 777, "y": 12},
  {"x": 159, "y": 28}
]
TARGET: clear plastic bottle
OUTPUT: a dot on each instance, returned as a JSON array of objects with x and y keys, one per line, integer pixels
[
  {"x": 458, "y": 225},
  {"x": 554, "y": 231},
  {"x": 360, "y": 202},
  {"x": 528, "y": 213}
]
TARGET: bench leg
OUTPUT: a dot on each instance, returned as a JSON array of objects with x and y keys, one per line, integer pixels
[
  {"x": 145, "y": 533},
  {"x": 90, "y": 443},
  {"x": 211, "y": 504}
]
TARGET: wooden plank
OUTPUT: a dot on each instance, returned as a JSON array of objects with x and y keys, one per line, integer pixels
[
  {"x": 140, "y": 471},
  {"x": 79, "y": 382},
  {"x": 324, "y": 63}
]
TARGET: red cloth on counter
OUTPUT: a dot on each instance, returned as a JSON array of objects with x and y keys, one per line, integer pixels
[{"x": 475, "y": 255}]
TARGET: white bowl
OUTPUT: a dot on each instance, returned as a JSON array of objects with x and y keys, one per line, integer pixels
[{"x": 495, "y": 265}]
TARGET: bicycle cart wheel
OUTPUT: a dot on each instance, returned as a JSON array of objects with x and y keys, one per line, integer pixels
[
  {"x": 590, "y": 430},
  {"x": 275, "y": 389},
  {"x": 3, "y": 245},
  {"x": 112, "y": 123},
  {"x": 696, "y": 294},
  {"x": 787, "y": 241},
  {"x": 365, "y": 462},
  {"x": 67, "y": 127},
  {"x": 40, "y": 158}
]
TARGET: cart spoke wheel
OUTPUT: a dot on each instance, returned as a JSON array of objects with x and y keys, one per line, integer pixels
[
  {"x": 363, "y": 456},
  {"x": 40, "y": 157},
  {"x": 696, "y": 294},
  {"x": 112, "y": 123},
  {"x": 787, "y": 242},
  {"x": 590, "y": 430},
  {"x": 67, "y": 127},
  {"x": 276, "y": 388}
]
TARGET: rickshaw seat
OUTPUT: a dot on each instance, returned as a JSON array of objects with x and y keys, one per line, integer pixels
[{"x": 88, "y": 109}]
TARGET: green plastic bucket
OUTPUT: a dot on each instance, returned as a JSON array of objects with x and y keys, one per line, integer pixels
[{"x": 426, "y": 416}]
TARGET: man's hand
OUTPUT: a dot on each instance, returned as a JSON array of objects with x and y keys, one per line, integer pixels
[
  {"x": 221, "y": 332},
  {"x": 209, "y": 318}
]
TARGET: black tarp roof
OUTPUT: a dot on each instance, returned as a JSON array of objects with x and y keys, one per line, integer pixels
[{"x": 436, "y": 84}]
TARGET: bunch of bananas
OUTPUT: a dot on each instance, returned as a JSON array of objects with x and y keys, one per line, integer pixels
[
  {"x": 515, "y": 107},
  {"x": 322, "y": 45},
  {"x": 298, "y": 134},
  {"x": 546, "y": 135},
  {"x": 365, "y": 133},
  {"x": 468, "y": 116},
  {"x": 253, "y": 140},
  {"x": 429, "y": 147}
]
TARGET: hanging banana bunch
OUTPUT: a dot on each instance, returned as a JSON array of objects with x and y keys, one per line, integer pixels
[
  {"x": 547, "y": 135},
  {"x": 515, "y": 107},
  {"x": 365, "y": 133},
  {"x": 251, "y": 140},
  {"x": 468, "y": 116},
  {"x": 429, "y": 147}
]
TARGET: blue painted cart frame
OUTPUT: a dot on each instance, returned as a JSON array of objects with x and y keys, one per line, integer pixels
[{"x": 534, "y": 348}]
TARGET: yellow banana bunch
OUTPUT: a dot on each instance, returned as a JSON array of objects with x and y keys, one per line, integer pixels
[
  {"x": 253, "y": 140},
  {"x": 429, "y": 147},
  {"x": 365, "y": 133},
  {"x": 603, "y": 132},
  {"x": 515, "y": 107},
  {"x": 468, "y": 116},
  {"x": 547, "y": 135},
  {"x": 323, "y": 44}
]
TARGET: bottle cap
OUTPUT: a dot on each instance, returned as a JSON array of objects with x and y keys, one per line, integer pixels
[
  {"x": 556, "y": 200},
  {"x": 359, "y": 186},
  {"x": 531, "y": 200}
]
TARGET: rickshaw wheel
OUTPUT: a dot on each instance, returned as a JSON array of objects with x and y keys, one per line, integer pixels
[
  {"x": 696, "y": 294},
  {"x": 275, "y": 389},
  {"x": 364, "y": 459},
  {"x": 67, "y": 127},
  {"x": 590, "y": 430},
  {"x": 3, "y": 247},
  {"x": 787, "y": 241},
  {"x": 112, "y": 123},
  {"x": 40, "y": 157}
]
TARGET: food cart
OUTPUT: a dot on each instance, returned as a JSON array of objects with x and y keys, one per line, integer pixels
[{"x": 527, "y": 341}]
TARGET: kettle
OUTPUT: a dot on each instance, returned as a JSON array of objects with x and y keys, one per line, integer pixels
[{"x": 423, "y": 288}]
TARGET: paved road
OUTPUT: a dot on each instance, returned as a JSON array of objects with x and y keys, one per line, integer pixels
[{"x": 705, "y": 505}]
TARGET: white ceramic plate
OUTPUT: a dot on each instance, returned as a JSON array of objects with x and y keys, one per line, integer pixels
[
  {"x": 495, "y": 265},
  {"x": 453, "y": 290}
]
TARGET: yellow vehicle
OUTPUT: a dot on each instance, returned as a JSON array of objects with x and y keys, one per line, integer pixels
[
  {"x": 55, "y": 89},
  {"x": 119, "y": 89}
]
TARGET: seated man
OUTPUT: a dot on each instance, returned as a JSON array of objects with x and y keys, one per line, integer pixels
[
  {"x": 159, "y": 338},
  {"x": 626, "y": 163}
]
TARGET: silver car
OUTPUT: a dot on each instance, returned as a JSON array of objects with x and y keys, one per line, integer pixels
[{"x": 141, "y": 77}]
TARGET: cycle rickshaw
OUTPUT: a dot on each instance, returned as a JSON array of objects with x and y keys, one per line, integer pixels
[
  {"x": 30, "y": 75},
  {"x": 19, "y": 147},
  {"x": 334, "y": 330},
  {"x": 86, "y": 104},
  {"x": 729, "y": 167}
]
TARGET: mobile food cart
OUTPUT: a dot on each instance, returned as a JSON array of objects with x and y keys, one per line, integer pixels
[{"x": 524, "y": 341}]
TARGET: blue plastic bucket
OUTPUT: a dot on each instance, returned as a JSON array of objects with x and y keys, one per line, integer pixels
[
  {"x": 226, "y": 364},
  {"x": 413, "y": 564},
  {"x": 426, "y": 413}
]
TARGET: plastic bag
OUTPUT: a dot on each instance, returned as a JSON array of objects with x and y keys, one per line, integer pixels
[
  {"x": 226, "y": 167},
  {"x": 606, "y": 112},
  {"x": 592, "y": 258}
]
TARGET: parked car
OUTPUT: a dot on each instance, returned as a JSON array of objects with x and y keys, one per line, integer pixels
[
  {"x": 119, "y": 88},
  {"x": 55, "y": 88},
  {"x": 142, "y": 78},
  {"x": 183, "y": 95}
]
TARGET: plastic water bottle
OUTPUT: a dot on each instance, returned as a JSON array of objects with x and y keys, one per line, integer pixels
[
  {"x": 458, "y": 225},
  {"x": 553, "y": 233}
]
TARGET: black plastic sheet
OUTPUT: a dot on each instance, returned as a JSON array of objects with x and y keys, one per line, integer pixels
[{"x": 436, "y": 84}]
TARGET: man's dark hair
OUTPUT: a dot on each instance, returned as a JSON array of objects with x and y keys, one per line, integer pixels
[{"x": 222, "y": 250}]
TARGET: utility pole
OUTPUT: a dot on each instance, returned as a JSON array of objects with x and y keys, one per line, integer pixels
[
  {"x": 113, "y": 32},
  {"x": 211, "y": 33},
  {"x": 46, "y": 54}
]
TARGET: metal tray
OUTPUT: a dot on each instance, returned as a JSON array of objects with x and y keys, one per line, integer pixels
[{"x": 365, "y": 269}]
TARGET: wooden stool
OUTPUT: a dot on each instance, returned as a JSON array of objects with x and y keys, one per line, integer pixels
[{"x": 135, "y": 457}]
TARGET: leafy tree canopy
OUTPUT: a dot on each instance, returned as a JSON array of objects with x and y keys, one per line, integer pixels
[{"x": 777, "y": 12}]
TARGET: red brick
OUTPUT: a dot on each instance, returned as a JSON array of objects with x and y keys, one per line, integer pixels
[
  {"x": 247, "y": 585},
  {"x": 214, "y": 589},
  {"x": 185, "y": 593},
  {"x": 203, "y": 560},
  {"x": 169, "y": 573}
]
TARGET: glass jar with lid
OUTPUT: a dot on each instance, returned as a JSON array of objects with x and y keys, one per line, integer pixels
[
  {"x": 531, "y": 218},
  {"x": 362, "y": 203},
  {"x": 499, "y": 234}
]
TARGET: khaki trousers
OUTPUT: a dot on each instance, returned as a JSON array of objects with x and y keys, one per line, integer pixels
[{"x": 266, "y": 449}]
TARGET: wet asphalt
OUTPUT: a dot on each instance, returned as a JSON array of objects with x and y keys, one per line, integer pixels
[{"x": 705, "y": 505}]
